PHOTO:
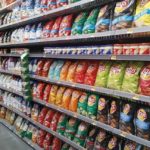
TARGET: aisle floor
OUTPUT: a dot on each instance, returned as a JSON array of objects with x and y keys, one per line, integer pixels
[{"x": 9, "y": 141}]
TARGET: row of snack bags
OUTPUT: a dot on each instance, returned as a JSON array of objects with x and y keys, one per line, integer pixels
[
  {"x": 87, "y": 136},
  {"x": 104, "y": 109},
  {"x": 4, "y": 3}
]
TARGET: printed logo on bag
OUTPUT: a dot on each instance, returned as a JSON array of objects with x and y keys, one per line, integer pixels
[
  {"x": 102, "y": 67},
  {"x": 145, "y": 74},
  {"x": 130, "y": 146},
  {"x": 115, "y": 69},
  {"x": 102, "y": 104},
  {"x": 113, "y": 107},
  {"x": 142, "y": 115},
  {"x": 91, "y": 68},
  {"x": 101, "y": 136},
  {"x": 102, "y": 11},
  {"x": 112, "y": 143},
  {"x": 126, "y": 109},
  {"x": 92, "y": 100},
  {"x": 131, "y": 70},
  {"x": 121, "y": 6}
]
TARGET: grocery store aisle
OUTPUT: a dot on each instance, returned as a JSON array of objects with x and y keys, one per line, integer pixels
[{"x": 8, "y": 140}]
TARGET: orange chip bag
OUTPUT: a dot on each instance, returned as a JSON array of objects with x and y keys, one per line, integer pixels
[
  {"x": 66, "y": 98},
  {"x": 64, "y": 70},
  {"x": 74, "y": 100},
  {"x": 53, "y": 92},
  {"x": 59, "y": 95},
  {"x": 71, "y": 71}
]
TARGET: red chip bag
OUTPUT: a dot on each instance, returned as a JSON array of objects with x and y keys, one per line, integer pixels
[
  {"x": 44, "y": 5},
  {"x": 46, "y": 92},
  {"x": 91, "y": 73},
  {"x": 55, "y": 28},
  {"x": 46, "y": 68},
  {"x": 47, "y": 29},
  {"x": 52, "y": 4},
  {"x": 65, "y": 26},
  {"x": 48, "y": 118},
  {"x": 42, "y": 115},
  {"x": 40, "y": 66},
  {"x": 47, "y": 141},
  {"x": 80, "y": 72},
  {"x": 61, "y": 3},
  {"x": 40, "y": 90},
  {"x": 54, "y": 121},
  {"x": 56, "y": 145},
  {"x": 144, "y": 84},
  {"x": 41, "y": 137}
]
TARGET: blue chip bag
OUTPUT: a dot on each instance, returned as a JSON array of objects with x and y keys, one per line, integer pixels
[{"x": 52, "y": 69}]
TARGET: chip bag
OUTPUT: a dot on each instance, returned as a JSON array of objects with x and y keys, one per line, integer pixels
[
  {"x": 48, "y": 118},
  {"x": 47, "y": 141},
  {"x": 89, "y": 25},
  {"x": 42, "y": 115},
  {"x": 40, "y": 66},
  {"x": 102, "y": 74},
  {"x": 46, "y": 68},
  {"x": 116, "y": 75},
  {"x": 64, "y": 70},
  {"x": 53, "y": 92},
  {"x": 131, "y": 77},
  {"x": 52, "y": 4},
  {"x": 144, "y": 83},
  {"x": 40, "y": 90},
  {"x": 52, "y": 69},
  {"x": 56, "y": 144},
  {"x": 74, "y": 100},
  {"x": 46, "y": 92},
  {"x": 91, "y": 73},
  {"x": 61, "y": 3}
]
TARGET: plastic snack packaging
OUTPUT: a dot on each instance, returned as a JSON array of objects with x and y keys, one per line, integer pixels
[
  {"x": 103, "y": 108},
  {"x": 71, "y": 71},
  {"x": 79, "y": 23},
  {"x": 127, "y": 145},
  {"x": 89, "y": 25},
  {"x": 53, "y": 92},
  {"x": 41, "y": 137},
  {"x": 92, "y": 106},
  {"x": 74, "y": 100},
  {"x": 59, "y": 96},
  {"x": 40, "y": 66},
  {"x": 118, "y": 49},
  {"x": 35, "y": 112},
  {"x": 56, "y": 144},
  {"x": 61, "y": 3},
  {"x": 42, "y": 115},
  {"x": 81, "y": 134},
  {"x": 116, "y": 75},
  {"x": 52, "y": 4},
  {"x": 39, "y": 30},
  {"x": 40, "y": 90},
  {"x": 82, "y": 104},
  {"x": 142, "y": 17},
  {"x": 32, "y": 33},
  {"x": 34, "y": 135},
  {"x": 131, "y": 77},
  {"x": 52, "y": 69},
  {"x": 47, "y": 141},
  {"x": 102, "y": 74},
  {"x": 46, "y": 92},
  {"x": 37, "y": 7},
  {"x": 64, "y": 70},
  {"x": 144, "y": 49},
  {"x": 113, "y": 143},
  {"x": 73, "y": 1},
  {"x": 26, "y": 35},
  {"x": 80, "y": 72},
  {"x": 66, "y": 98},
  {"x": 29, "y": 7},
  {"x": 91, "y": 73},
  {"x": 144, "y": 83},
  {"x": 44, "y": 5},
  {"x": 46, "y": 68}
]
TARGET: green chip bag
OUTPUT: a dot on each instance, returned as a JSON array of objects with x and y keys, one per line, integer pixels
[
  {"x": 79, "y": 23},
  {"x": 89, "y": 26},
  {"x": 82, "y": 104},
  {"x": 102, "y": 74},
  {"x": 131, "y": 78},
  {"x": 116, "y": 75},
  {"x": 92, "y": 106}
]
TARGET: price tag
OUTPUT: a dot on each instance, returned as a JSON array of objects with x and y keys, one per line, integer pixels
[
  {"x": 113, "y": 57},
  {"x": 130, "y": 30},
  {"x": 136, "y": 97},
  {"x": 123, "y": 134}
]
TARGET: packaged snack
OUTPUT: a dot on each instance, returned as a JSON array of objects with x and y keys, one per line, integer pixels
[
  {"x": 32, "y": 33},
  {"x": 39, "y": 29},
  {"x": 41, "y": 137},
  {"x": 74, "y": 100},
  {"x": 144, "y": 83},
  {"x": 52, "y": 95},
  {"x": 90, "y": 139},
  {"x": 44, "y": 5},
  {"x": 123, "y": 14},
  {"x": 12, "y": 118},
  {"x": 104, "y": 18},
  {"x": 52, "y": 4},
  {"x": 71, "y": 72},
  {"x": 114, "y": 114},
  {"x": 144, "y": 49},
  {"x": 66, "y": 98},
  {"x": 58, "y": 68},
  {"x": 47, "y": 141},
  {"x": 73, "y": 1},
  {"x": 37, "y": 7},
  {"x": 102, "y": 74},
  {"x": 103, "y": 108},
  {"x": 29, "y": 7},
  {"x": 65, "y": 146},
  {"x": 61, "y": 126},
  {"x": 35, "y": 112},
  {"x": 131, "y": 145},
  {"x": 42, "y": 115},
  {"x": 46, "y": 68},
  {"x": 34, "y": 88},
  {"x": 56, "y": 144},
  {"x": 92, "y": 106},
  {"x": 79, "y": 23},
  {"x": 80, "y": 72},
  {"x": 34, "y": 135},
  {"x": 59, "y": 96},
  {"x": 46, "y": 92},
  {"x": 26, "y": 34},
  {"x": 142, "y": 17},
  {"x": 40, "y": 66},
  {"x": 29, "y": 132},
  {"x": 81, "y": 134},
  {"x": 48, "y": 118},
  {"x": 55, "y": 28},
  {"x": 113, "y": 143},
  {"x": 82, "y": 104},
  {"x": 142, "y": 122},
  {"x": 131, "y": 77},
  {"x": 89, "y": 25},
  {"x": 52, "y": 69},
  {"x": 61, "y": 3},
  {"x": 116, "y": 75},
  {"x": 71, "y": 128},
  {"x": 18, "y": 122},
  {"x": 47, "y": 29},
  {"x": 126, "y": 49},
  {"x": 134, "y": 49},
  {"x": 40, "y": 90},
  {"x": 126, "y": 117},
  {"x": 91, "y": 73},
  {"x": 64, "y": 70},
  {"x": 118, "y": 49}
]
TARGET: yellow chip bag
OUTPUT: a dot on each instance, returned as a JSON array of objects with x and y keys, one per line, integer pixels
[{"x": 53, "y": 92}]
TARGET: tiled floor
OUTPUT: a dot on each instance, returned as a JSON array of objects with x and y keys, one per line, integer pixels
[{"x": 9, "y": 141}]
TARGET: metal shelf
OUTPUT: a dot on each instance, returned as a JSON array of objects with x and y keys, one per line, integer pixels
[
  {"x": 109, "y": 92},
  {"x": 68, "y": 9},
  {"x": 9, "y": 7},
  {"x": 88, "y": 38},
  {"x": 95, "y": 123},
  {"x": 9, "y": 55},
  {"x": 10, "y": 72},
  {"x": 73, "y": 144}
]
